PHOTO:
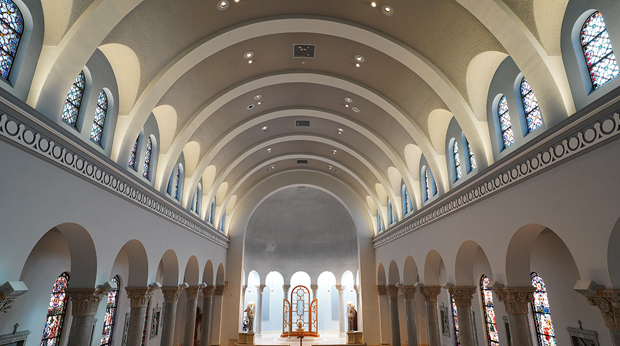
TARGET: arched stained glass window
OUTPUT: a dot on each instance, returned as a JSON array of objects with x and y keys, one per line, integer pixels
[
  {"x": 147, "y": 157},
  {"x": 212, "y": 212},
  {"x": 390, "y": 214},
  {"x": 110, "y": 314},
  {"x": 100, "y": 114},
  {"x": 530, "y": 106},
  {"x": 133, "y": 156},
  {"x": 597, "y": 50},
  {"x": 196, "y": 199},
  {"x": 56, "y": 312},
  {"x": 489, "y": 312},
  {"x": 542, "y": 312},
  {"x": 146, "y": 322},
  {"x": 455, "y": 319},
  {"x": 427, "y": 190},
  {"x": 12, "y": 30},
  {"x": 470, "y": 155},
  {"x": 379, "y": 225},
  {"x": 177, "y": 178},
  {"x": 74, "y": 100},
  {"x": 223, "y": 221},
  {"x": 458, "y": 174},
  {"x": 407, "y": 205},
  {"x": 505, "y": 125}
]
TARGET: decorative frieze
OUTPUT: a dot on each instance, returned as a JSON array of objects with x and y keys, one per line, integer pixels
[
  {"x": 409, "y": 291},
  {"x": 171, "y": 294},
  {"x": 85, "y": 301},
  {"x": 608, "y": 301},
  {"x": 430, "y": 293},
  {"x": 18, "y": 338},
  {"x": 139, "y": 296},
  {"x": 462, "y": 295},
  {"x": 516, "y": 299},
  {"x": 392, "y": 290},
  {"x": 192, "y": 292}
]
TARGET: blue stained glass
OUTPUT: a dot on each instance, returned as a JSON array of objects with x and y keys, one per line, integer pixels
[
  {"x": 472, "y": 158},
  {"x": 73, "y": 102},
  {"x": 11, "y": 29},
  {"x": 598, "y": 51},
  {"x": 176, "y": 183},
  {"x": 110, "y": 314},
  {"x": 379, "y": 229},
  {"x": 530, "y": 106},
  {"x": 100, "y": 115},
  {"x": 457, "y": 161},
  {"x": 504, "y": 122},
  {"x": 426, "y": 186},
  {"x": 542, "y": 312},
  {"x": 146, "y": 323},
  {"x": 489, "y": 312},
  {"x": 133, "y": 155},
  {"x": 147, "y": 157},
  {"x": 56, "y": 312},
  {"x": 455, "y": 319}
]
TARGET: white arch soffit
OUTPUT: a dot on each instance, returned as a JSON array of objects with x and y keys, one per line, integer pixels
[
  {"x": 475, "y": 130},
  {"x": 290, "y": 178},
  {"x": 435, "y": 160},
  {"x": 552, "y": 89},
  {"x": 315, "y": 113},
  {"x": 58, "y": 65},
  {"x": 310, "y": 138}
]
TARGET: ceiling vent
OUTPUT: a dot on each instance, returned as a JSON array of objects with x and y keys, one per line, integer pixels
[
  {"x": 302, "y": 162},
  {"x": 304, "y": 51},
  {"x": 302, "y": 123}
]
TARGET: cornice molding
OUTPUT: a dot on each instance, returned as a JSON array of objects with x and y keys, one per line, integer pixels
[{"x": 8, "y": 339}]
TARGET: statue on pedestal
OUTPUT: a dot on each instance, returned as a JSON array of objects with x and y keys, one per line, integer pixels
[
  {"x": 250, "y": 311},
  {"x": 352, "y": 316}
]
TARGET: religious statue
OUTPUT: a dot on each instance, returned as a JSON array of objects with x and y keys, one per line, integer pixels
[
  {"x": 250, "y": 311},
  {"x": 351, "y": 314}
]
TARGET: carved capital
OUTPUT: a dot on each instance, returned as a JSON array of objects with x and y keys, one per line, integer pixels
[
  {"x": 286, "y": 288},
  {"x": 208, "y": 291},
  {"x": 392, "y": 290},
  {"x": 608, "y": 301},
  {"x": 6, "y": 303},
  {"x": 85, "y": 301},
  {"x": 243, "y": 288},
  {"x": 219, "y": 290},
  {"x": 515, "y": 299},
  {"x": 408, "y": 291},
  {"x": 260, "y": 289},
  {"x": 430, "y": 293},
  {"x": 139, "y": 296},
  {"x": 340, "y": 289},
  {"x": 382, "y": 289},
  {"x": 462, "y": 295},
  {"x": 171, "y": 294},
  {"x": 314, "y": 288},
  {"x": 357, "y": 289},
  {"x": 192, "y": 292}
]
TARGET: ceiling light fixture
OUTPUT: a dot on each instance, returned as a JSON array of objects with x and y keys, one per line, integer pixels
[
  {"x": 237, "y": 0},
  {"x": 357, "y": 65},
  {"x": 348, "y": 99},
  {"x": 334, "y": 151},
  {"x": 258, "y": 97},
  {"x": 359, "y": 58},
  {"x": 346, "y": 106},
  {"x": 373, "y": 4},
  {"x": 248, "y": 55},
  {"x": 387, "y": 10},
  {"x": 259, "y": 103},
  {"x": 264, "y": 128},
  {"x": 355, "y": 109},
  {"x": 269, "y": 150},
  {"x": 273, "y": 166},
  {"x": 222, "y": 5},
  {"x": 339, "y": 130},
  {"x": 249, "y": 107},
  {"x": 330, "y": 167},
  {"x": 249, "y": 61}
]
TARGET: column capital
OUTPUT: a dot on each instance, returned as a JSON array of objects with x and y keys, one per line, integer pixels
[
  {"x": 356, "y": 288},
  {"x": 219, "y": 290},
  {"x": 85, "y": 301},
  {"x": 382, "y": 289},
  {"x": 392, "y": 290},
  {"x": 139, "y": 296},
  {"x": 515, "y": 299},
  {"x": 430, "y": 293},
  {"x": 608, "y": 301},
  {"x": 462, "y": 295},
  {"x": 260, "y": 289},
  {"x": 5, "y": 302},
  {"x": 171, "y": 294},
  {"x": 209, "y": 290},
  {"x": 314, "y": 287},
  {"x": 243, "y": 288},
  {"x": 340, "y": 288},
  {"x": 192, "y": 292},
  {"x": 286, "y": 287},
  {"x": 408, "y": 291}
]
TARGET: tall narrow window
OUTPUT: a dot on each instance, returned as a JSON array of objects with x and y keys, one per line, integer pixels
[
  {"x": 390, "y": 215},
  {"x": 177, "y": 178},
  {"x": 110, "y": 314},
  {"x": 74, "y": 100},
  {"x": 133, "y": 156},
  {"x": 212, "y": 212},
  {"x": 56, "y": 312},
  {"x": 471, "y": 157},
  {"x": 196, "y": 199},
  {"x": 147, "y": 157},
  {"x": 100, "y": 114},
  {"x": 458, "y": 174},
  {"x": 12, "y": 29},
  {"x": 455, "y": 319},
  {"x": 542, "y": 312},
  {"x": 427, "y": 190},
  {"x": 379, "y": 225},
  {"x": 407, "y": 206},
  {"x": 146, "y": 322},
  {"x": 489, "y": 312},
  {"x": 597, "y": 50},
  {"x": 530, "y": 106},
  {"x": 223, "y": 221},
  {"x": 505, "y": 125}
]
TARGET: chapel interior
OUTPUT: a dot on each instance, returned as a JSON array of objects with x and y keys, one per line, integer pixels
[{"x": 309, "y": 172}]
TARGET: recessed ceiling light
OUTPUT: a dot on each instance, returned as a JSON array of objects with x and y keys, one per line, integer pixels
[
  {"x": 273, "y": 166},
  {"x": 348, "y": 99},
  {"x": 357, "y": 64},
  {"x": 359, "y": 58},
  {"x": 267, "y": 170},
  {"x": 269, "y": 150},
  {"x": 330, "y": 167},
  {"x": 335, "y": 171},
  {"x": 258, "y": 97},
  {"x": 250, "y": 61},
  {"x": 355, "y": 109},
  {"x": 259, "y": 103},
  {"x": 250, "y": 107},
  {"x": 248, "y": 55},
  {"x": 237, "y": 0},
  {"x": 373, "y": 4},
  {"x": 346, "y": 106},
  {"x": 339, "y": 130},
  {"x": 264, "y": 128},
  {"x": 334, "y": 151},
  {"x": 387, "y": 10},
  {"x": 222, "y": 5}
]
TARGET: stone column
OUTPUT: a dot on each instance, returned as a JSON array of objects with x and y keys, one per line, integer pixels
[
  {"x": 392, "y": 291},
  {"x": 85, "y": 303},
  {"x": 216, "y": 314},
  {"x": 412, "y": 329},
  {"x": 357, "y": 299},
  {"x": 190, "y": 319},
  {"x": 314, "y": 289},
  {"x": 139, "y": 297},
  {"x": 384, "y": 314},
  {"x": 462, "y": 300},
  {"x": 340, "y": 289},
  {"x": 259, "y": 309},
  {"x": 243, "y": 289},
  {"x": 171, "y": 298},
  {"x": 430, "y": 297},
  {"x": 517, "y": 300},
  {"x": 207, "y": 310},
  {"x": 243, "y": 306},
  {"x": 286, "y": 288},
  {"x": 608, "y": 301}
]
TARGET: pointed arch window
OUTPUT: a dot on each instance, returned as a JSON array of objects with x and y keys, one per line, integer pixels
[
  {"x": 390, "y": 214},
  {"x": 458, "y": 173},
  {"x": 56, "y": 312},
  {"x": 196, "y": 199},
  {"x": 100, "y": 114},
  {"x": 530, "y": 106},
  {"x": 133, "y": 155},
  {"x": 12, "y": 30},
  {"x": 489, "y": 312},
  {"x": 542, "y": 312},
  {"x": 470, "y": 156},
  {"x": 212, "y": 212},
  {"x": 223, "y": 221},
  {"x": 74, "y": 100},
  {"x": 427, "y": 190},
  {"x": 505, "y": 125},
  {"x": 147, "y": 158},
  {"x": 455, "y": 320},
  {"x": 174, "y": 183},
  {"x": 597, "y": 50},
  {"x": 407, "y": 204},
  {"x": 110, "y": 314},
  {"x": 379, "y": 225}
]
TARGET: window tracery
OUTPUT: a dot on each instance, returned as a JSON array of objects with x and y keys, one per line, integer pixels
[
  {"x": 12, "y": 23},
  {"x": 427, "y": 189},
  {"x": 133, "y": 155},
  {"x": 598, "y": 51},
  {"x": 471, "y": 157},
  {"x": 71, "y": 110},
  {"x": 147, "y": 157},
  {"x": 56, "y": 312},
  {"x": 457, "y": 161},
  {"x": 530, "y": 106},
  {"x": 489, "y": 312},
  {"x": 505, "y": 125},
  {"x": 542, "y": 312},
  {"x": 101, "y": 112}
]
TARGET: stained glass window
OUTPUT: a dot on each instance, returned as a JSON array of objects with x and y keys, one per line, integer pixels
[
  {"x": 407, "y": 205},
  {"x": 427, "y": 189},
  {"x": 100, "y": 113},
  {"x": 177, "y": 177},
  {"x": 530, "y": 106},
  {"x": 597, "y": 50},
  {"x": 212, "y": 212},
  {"x": 489, "y": 312},
  {"x": 505, "y": 125},
  {"x": 390, "y": 215},
  {"x": 455, "y": 319},
  {"x": 457, "y": 161},
  {"x": 470, "y": 154},
  {"x": 147, "y": 157},
  {"x": 542, "y": 312},
  {"x": 110, "y": 314},
  {"x": 196, "y": 200},
  {"x": 379, "y": 226},
  {"x": 74, "y": 100},
  {"x": 223, "y": 221},
  {"x": 56, "y": 312},
  {"x": 132, "y": 157},
  {"x": 12, "y": 28},
  {"x": 146, "y": 322}
]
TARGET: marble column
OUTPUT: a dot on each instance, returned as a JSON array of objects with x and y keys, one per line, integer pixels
[
  {"x": 216, "y": 314},
  {"x": 384, "y": 314},
  {"x": 85, "y": 302},
  {"x": 286, "y": 288},
  {"x": 608, "y": 301},
  {"x": 357, "y": 299},
  {"x": 412, "y": 328},
  {"x": 517, "y": 300},
  {"x": 430, "y": 298},
  {"x": 340, "y": 289},
  {"x": 243, "y": 306},
  {"x": 314, "y": 289},
  {"x": 462, "y": 300},
  {"x": 171, "y": 298},
  {"x": 259, "y": 309},
  {"x": 139, "y": 300},
  {"x": 207, "y": 310},
  {"x": 243, "y": 289},
  {"x": 392, "y": 291},
  {"x": 190, "y": 318}
]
